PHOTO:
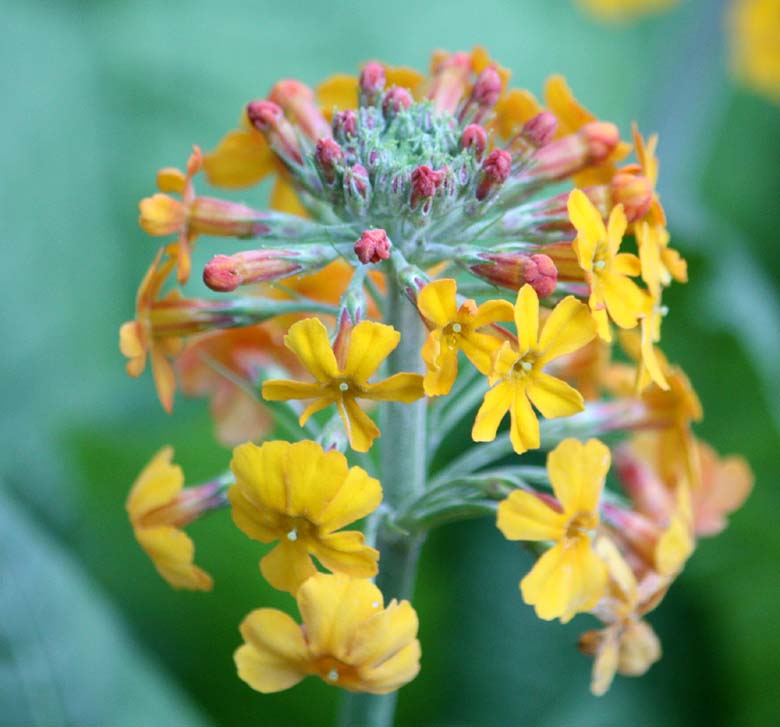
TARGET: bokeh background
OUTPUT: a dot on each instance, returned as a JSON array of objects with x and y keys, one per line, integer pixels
[{"x": 95, "y": 97}]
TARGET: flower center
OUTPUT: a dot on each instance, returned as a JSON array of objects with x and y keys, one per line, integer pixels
[
  {"x": 522, "y": 367},
  {"x": 581, "y": 525}
]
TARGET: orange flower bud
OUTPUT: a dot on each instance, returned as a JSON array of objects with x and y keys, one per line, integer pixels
[{"x": 514, "y": 270}]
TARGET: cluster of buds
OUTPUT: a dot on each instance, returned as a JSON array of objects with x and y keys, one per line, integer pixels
[{"x": 392, "y": 199}]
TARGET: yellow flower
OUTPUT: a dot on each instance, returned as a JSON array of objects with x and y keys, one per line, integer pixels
[
  {"x": 456, "y": 329},
  {"x": 158, "y": 509},
  {"x": 659, "y": 262},
  {"x": 137, "y": 339},
  {"x": 569, "y": 577},
  {"x": 754, "y": 27},
  {"x": 342, "y": 383},
  {"x": 612, "y": 292},
  {"x": 347, "y": 638},
  {"x": 520, "y": 371},
  {"x": 623, "y": 10},
  {"x": 300, "y": 495}
]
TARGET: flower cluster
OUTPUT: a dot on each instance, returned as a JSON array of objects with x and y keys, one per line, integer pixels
[{"x": 412, "y": 219}]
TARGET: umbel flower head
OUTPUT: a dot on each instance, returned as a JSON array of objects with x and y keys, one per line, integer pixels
[{"x": 403, "y": 210}]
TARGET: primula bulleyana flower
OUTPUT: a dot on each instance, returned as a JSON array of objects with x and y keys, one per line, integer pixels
[
  {"x": 754, "y": 27},
  {"x": 158, "y": 508},
  {"x": 569, "y": 577},
  {"x": 613, "y": 295},
  {"x": 342, "y": 383},
  {"x": 519, "y": 378},
  {"x": 659, "y": 262},
  {"x": 299, "y": 495},
  {"x": 456, "y": 328},
  {"x": 627, "y": 645},
  {"x": 137, "y": 339},
  {"x": 347, "y": 638},
  {"x": 624, "y": 10}
]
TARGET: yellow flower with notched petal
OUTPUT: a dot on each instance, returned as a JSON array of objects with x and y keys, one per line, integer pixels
[
  {"x": 520, "y": 371},
  {"x": 300, "y": 495},
  {"x": 347, "y": 638},
  {"x": 612, "y": 293},
  {"x": 456, "y": 329},
  {"x": 369, "y": 344},
  {"x": 569, "y": 577},
  {"x": 158, "y": 509}
]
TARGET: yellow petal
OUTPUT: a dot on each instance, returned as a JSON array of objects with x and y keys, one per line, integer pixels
[
  {"x": 493, "y": 311},
  {"x": 338, "y": 92},
  {"x": 494, "y": 407},
  {"x": 171, "y": 180},
  {"x": 312, "y": 479},
  {"x": 161, "y": 215},
  {"x": 284, "y": 198},
  {"x": 131, "y": 344},
  {"x": 577, "y": 474},
  {"x": 624, "y": 300},
  {"x": 347, "y": 553},
  {"x": 616, "y": 228},
  {"x": 241, "y": 159},
  {"x": 639, "y": 648},
  {"x": 384, "y": 634},
  {"x": 333, "y": 608},
  {"x": 172, "y": 552},
  {"x": 513, "y": 110},
  {"x": 524, "y": 516},
  {"x": 404, "y": 77},
  {"x": 606, "y": 662},
  {"x": 481, "y": 350},
  {"x": 524, "y": 426},
  {"x": 164, "y": 379},
  {"x": 441, "y": 365},
  {"x": 589, "y": 225},
  {"x": 437, "y": 302},
  {"x": 553, "y": 397},
  {"x": 275, "y": 655},
  {"x": 398, "y": 387},
  {"x": 157, "y": 485},
  {"x": 360, "y": 428},
  {"x": 570, "y": 113},
  {"x": 258, "y": 522},
  {"x": 566, "y": 580},
  {"x": 527, "y": 319},
  {"x": 569, "y": 327},
  {"x": 308, "y": 340},
  {"x": 357, "y": 496},
  {"x": 287, "y": 566},
  {"x": 369, "y": 344},
  {"x": 260, "y": 471},
  {"x": 393, "y": 673},
  {"x": 285, "y": 390}
]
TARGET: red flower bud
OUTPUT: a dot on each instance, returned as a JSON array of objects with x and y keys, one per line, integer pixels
[
  {"x": 298, "y": 103},
  {"x": 372, "y": 83},
  {"x": 373, "y": 246},
  {"x": 634, "y": 192},
  {"x": 425, "y": 182},
  {"x": 514, "y": 270},
  {"x": 495, "y": 171},
  {"x": 540, "y": 130},
  {"x": 268, "y": 117},
  {"x": 474, "y": 138},
  {"x": 395, "y": 100},
  {"x": 328, "y": 155},
  {"x": 224, "y": 273},
  {"x": 345, "y": 124}
]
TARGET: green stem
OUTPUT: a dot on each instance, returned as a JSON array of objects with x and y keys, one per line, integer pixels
[{"x": 403, "y": 473}]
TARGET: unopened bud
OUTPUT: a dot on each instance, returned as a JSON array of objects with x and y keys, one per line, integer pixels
[
  {"x": 474, "y": 139},
  {"x": 495, "y": 171},
  {"x": 635, "y": 529},
  {"x": 329, "y": 155},
  {"x": 425, "y": 181},
  {"x": 372, "y": 83},
  {"x": 592, "y": 144},
  {"x": 224, "y": 273},
  {"x": 219, "y": 217},
  {"x": 540, "y": 130},
  {"x": 514, "y": 270},
  {"x": 484, "y": 95},
  {"x": 357, "y": 189},
  {"x": 395, "y": 100},
  {"x": 450, "y": 81},
  {"x": 345, "y": 125},
  {"x": 298, "y": 103},
  {"x": 648, "y": 493},
  {"x": 373, "y": 246},
  {"x": 634, "y": 192},
  {"x": 268, "y": 118}
]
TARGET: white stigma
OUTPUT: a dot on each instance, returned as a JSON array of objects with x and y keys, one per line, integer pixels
[
  {"x": 375, "y": 604},
  {"x": 332, "y": 676},
  {"x": 456, "y": 328},
  {"x": 600, "y": 265},
  {"x": 343, "y": 386},
  {"x": 527, "y": 365},
  {"x": 292, "y": 535}
]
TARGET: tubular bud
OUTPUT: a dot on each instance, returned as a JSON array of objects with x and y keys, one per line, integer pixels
[
  {"x": 268, "y": 118},
  {"x": 647, "y": 491},
  {"x": 224, "y": 273},
  {"x": 495, "y": 171},
  {"x": 634, "y": 192},
  {"x": 395, "y": 100},
  {"x": 635, "y": 529},
  {"x": 373, "y": 246},
  {"x": 357, "y": 188},
  {"x": 212, "y": 216},
  {"x": 297, "y": 101},
  {"x": 474, "y": 138},
  {"x": 372, "y": 83},
  {"x": 190, "y": 504},
  {"x": 450, "y": 81},
  {"x": 345, "y": 125},
  {"x": 484, "y": 95},
  {"x": 513, "y": 270},
  {"x": 540, "y": 130},
  {"x": 329, "y": 155},
  {"x": 425, "y": 181}
]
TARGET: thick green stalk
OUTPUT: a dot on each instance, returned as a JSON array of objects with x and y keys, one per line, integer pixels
[{"x": 403, "y": 472}]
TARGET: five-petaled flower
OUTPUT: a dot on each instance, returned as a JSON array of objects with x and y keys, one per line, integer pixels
[
  {"x": 341, "y": 383},
  {"x": 457, "y": 328},
  {"x": 158, "y": 508},
  {"x": 569, "y": 577},
  {"x": 348, "y": 638},
  {"x": 299, "y": 495},
  {"x": 519, "y": 371}
]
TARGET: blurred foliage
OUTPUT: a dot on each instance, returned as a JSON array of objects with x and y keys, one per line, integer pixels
[{"x": 98, "y": 95}]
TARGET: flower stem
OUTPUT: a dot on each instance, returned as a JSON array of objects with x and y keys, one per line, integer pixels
[{"x": 403, "y": 475}]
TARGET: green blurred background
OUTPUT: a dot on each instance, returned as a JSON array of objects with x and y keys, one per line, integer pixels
[{"x": 96, "y": 97}]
